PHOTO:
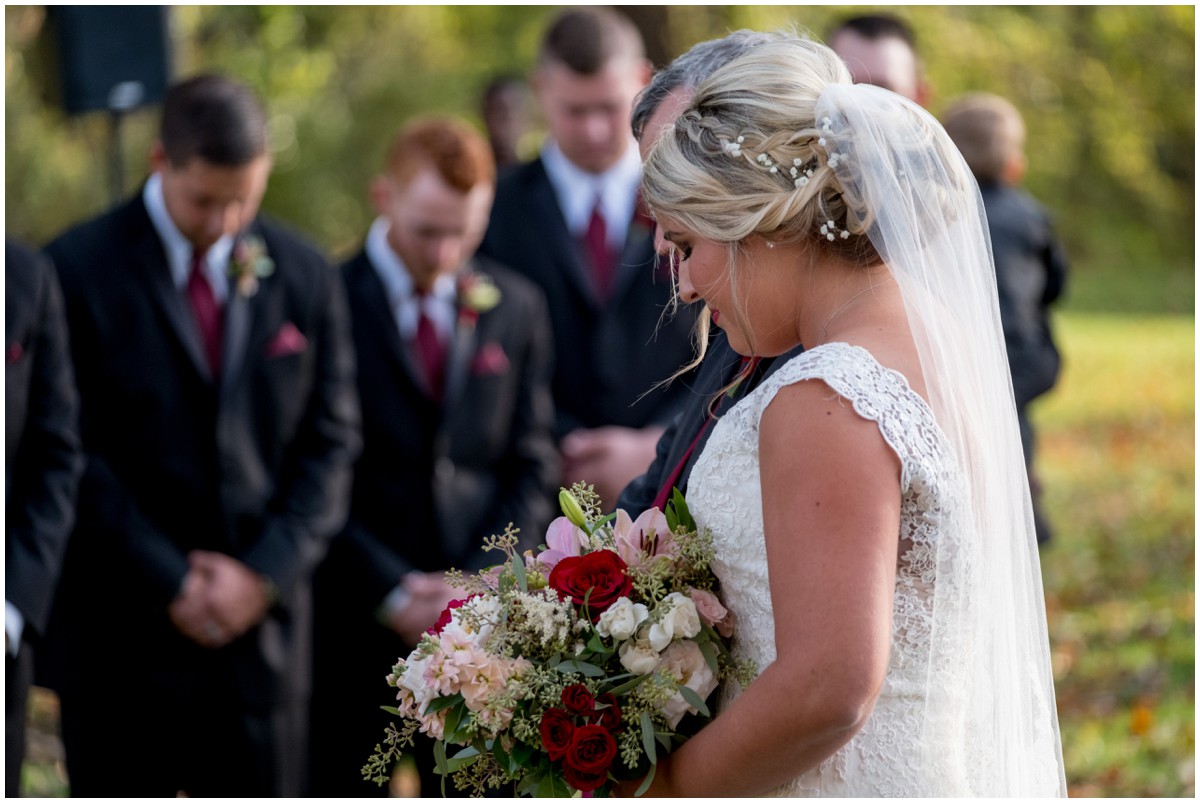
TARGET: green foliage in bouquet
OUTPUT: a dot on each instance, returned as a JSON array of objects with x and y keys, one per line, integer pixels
[{"x": 570, "y": 669}]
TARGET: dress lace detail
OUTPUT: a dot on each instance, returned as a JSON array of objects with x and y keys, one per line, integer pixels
[{"x": 890, "y": 755}]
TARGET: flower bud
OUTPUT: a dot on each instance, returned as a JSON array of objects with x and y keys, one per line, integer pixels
[{"x": 571, "y": 509}]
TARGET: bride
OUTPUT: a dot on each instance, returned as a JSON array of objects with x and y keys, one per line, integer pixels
[{"x": 870, "y": 512}]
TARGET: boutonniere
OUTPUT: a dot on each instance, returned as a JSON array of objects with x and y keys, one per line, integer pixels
[
  {"x": 477, "y": 294},
  {"x": 248, "y": 263}
]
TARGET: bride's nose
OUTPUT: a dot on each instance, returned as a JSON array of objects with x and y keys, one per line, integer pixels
[{"x": 683, "y": 281}]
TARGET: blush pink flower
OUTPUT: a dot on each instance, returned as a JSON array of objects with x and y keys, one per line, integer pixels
[
  {"x": 711, "y": 611},
  {"x": 686, "y": 663},
  {"x": 564, "y": 540},
  {"x": 642, "y": 538}
]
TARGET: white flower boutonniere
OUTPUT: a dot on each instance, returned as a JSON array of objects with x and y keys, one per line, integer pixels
[
  {"x": 249, "y": 263},
  {"x": 477, "y": 294}
]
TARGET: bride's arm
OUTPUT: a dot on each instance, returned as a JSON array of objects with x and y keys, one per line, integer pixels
[{"x": 831, "y": 510}]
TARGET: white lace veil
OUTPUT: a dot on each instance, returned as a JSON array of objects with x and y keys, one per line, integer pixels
[{"x": 917, "y": 201}]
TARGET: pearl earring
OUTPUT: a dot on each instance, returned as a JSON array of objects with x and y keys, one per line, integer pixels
[{"x": 770, "y": 244}]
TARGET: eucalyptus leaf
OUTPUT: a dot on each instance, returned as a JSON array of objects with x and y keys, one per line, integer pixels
[
  {"x": 628, "y": 685},
  {"x": 438, "y": 703},
  {"x": 518, "y": 566},
  {"x": 391, "y": 709},
  {"x": 694, "y": 700},
  {"x": 709, "y": 651},
  {"x": 648, "y": 738},
  {"x": 641, "y": 790},
  {"x": 582, "y": 667}
]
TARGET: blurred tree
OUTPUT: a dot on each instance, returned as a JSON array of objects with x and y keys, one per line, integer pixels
[{"x": 1108, "y": 94}]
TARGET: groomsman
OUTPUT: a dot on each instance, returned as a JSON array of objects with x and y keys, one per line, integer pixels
[
  {"x": 454, "y": 362},
  {"x": 219, "y": 423},
  {"x": 42, "y": 463},
  {"x": 724, "y": 376},
  {"x": 570, "y": 221}
]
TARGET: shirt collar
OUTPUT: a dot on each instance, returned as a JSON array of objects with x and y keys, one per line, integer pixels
[
  {"x": 179, "y": 249},
  {"x": 577, "y": 190},
  {"x": 440, "y": 302}
]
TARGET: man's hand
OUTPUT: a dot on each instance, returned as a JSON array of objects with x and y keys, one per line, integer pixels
[
  {"x": 427, "y": 596},
  {"x": 190, "y": 614},
  {"x": 235, "y": 596},
  {"x": 608, "y": 457}
]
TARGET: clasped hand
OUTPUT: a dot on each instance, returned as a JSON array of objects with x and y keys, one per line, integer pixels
[
  {"x": 221, "y": 598},
  {"x": 427, "y": 595}
]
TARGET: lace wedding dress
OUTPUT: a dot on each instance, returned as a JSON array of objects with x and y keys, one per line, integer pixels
[{"x": 919, "y": 712}]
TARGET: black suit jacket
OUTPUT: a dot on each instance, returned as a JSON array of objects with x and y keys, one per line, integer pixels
[
  {"x": 608, "y": 354},
  {"x": 256, "y": 465},
  {"x": 434, "y": 480},
  {"x": 721, "y": 364},
  {"x": 42, "y": 457}
]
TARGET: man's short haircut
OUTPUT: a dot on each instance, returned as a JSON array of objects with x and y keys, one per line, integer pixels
[
  {"x": 459, "y": 154},
  {"x": 690, "y": 70},
  {"x": 587, "y": 39},
  {"x": 215, "y": 119},
  {"x": 877, "y": 26},
  {"x": 988, "y": 131}
]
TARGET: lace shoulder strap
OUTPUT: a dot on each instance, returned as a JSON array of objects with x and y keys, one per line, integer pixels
[{"x": 877, "y": 394}]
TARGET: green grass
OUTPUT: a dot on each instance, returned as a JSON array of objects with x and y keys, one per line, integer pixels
[{"x": 1117, "y": 458}]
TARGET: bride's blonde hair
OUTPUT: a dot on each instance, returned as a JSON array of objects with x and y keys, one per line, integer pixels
[{"x": 748, "y": 156}]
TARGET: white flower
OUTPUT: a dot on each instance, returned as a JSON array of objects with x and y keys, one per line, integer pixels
[
  {"x": 638, "y": 658},
  {"x": 686, "y": 663},
  {"x": 621, "y": 620},
  {"x": 680, "y": 621}
]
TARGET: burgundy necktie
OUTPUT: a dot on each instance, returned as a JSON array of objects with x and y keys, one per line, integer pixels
[
  {"x": 205, "y": 308},
  {"x": 431, "y": 351},
  {"x": 599, "y": 254}
]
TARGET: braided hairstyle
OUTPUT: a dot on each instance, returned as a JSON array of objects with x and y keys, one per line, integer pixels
[{"x": 749, "y": 158}]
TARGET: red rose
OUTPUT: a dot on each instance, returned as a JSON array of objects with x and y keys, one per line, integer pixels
[
  {"x": 578, "y": 700},
  {"x": 444, "y": 618},
  {"x": 592, "y": 752},
  {"x": 601, "y": 572},
  {"x": 557, "y": 731},
  {"x": 610, "y": 717},
  {"x": 584, "y": 781}
]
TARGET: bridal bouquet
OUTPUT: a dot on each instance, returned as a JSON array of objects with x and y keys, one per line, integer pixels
[{"x": 572, "y": 668}]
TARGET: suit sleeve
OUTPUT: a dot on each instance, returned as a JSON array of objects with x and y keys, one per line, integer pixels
[
  {"x": 314, "y": 493},
  {"x": 532, "y": 468},
  {"x": 45, "y": 474}
]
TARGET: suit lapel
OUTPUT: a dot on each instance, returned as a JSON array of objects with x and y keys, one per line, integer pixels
[
  {"x": 544, "y": 206},
  {"x": 458, "y": 360},
  {"x": 636, "y": 257},
  {"x": 149, "y": 255},
  {"x": 238, "y": 320},
  {"x": 374, "y": 298}
]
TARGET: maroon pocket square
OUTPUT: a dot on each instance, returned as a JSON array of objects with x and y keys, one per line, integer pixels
[
  {"x": 288, "y": 340},
  {"x": 15, "y": 352},
  {"x": 490, "y": 360}
]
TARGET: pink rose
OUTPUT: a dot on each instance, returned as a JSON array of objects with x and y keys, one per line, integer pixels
[
  {"x": 711, "y": 611},
  {"x": 686, "y": 663}
]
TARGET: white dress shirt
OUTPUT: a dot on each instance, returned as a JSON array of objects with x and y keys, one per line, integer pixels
[
  {"x": 179, "y": 248},
  {"x": 577, "y": 191},
  {"x": 439, "y": 304}
]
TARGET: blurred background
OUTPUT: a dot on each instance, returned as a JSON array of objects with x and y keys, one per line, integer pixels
[{"x": 1108, "y": 97}]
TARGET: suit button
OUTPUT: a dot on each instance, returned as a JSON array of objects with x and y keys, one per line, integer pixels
[{"x": 445, "y": 469}]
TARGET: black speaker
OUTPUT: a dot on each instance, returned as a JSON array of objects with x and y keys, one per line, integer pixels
[{"x": 111, "y": 57}]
